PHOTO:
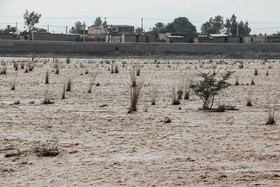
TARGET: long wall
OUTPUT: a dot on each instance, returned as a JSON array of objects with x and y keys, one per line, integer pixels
[{"x": 10, "y": 47}]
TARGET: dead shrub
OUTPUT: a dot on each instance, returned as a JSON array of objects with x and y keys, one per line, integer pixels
[
  {"x": 3, "y": 70},
  {"x": 236, "y": 80},
  {"x": 271, "y": 113},
  {"x": 47, "y": 98},
  {"x": 47, "y": 77},
  {"x": 45, "y": 149},
  {"x": 68, "y": 85},
  {"x": 68, "y": 61},
  {"x": 116, "y": 68},
  {"x": 138, "y": 70},
  {"x": 57, "y": 69},
  {"x": 252, "y": 82},
  {"x": 63, "y": 92},
  {"x": 256, "y": 72},
  {"x": 249, "y": 97},
  {"x": 92, "y": 81},
  {"x": 134, "y": 92},
  {"x": 22, "y": 65},
  {"x": 15, "y": 66},
  {"x": 174, "y": 94},
  {"x": 153, "y": 92}
]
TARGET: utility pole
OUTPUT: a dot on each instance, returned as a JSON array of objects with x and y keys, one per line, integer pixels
[
  {"x": 237, "y": 29},
  {"x": 16, "y": 28},
  {"x": 48, "y": 28},
  {"x": 66, "y": 29},
  {"x": 142, "y": 25},
  {"x": 105, "y": 27},
  {"x": 84, "y": 32}
]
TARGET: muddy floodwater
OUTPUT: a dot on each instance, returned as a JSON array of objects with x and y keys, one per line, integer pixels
[{"x": 90, "y": 139}]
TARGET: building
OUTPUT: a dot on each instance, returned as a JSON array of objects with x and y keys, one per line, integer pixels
[
  {"x": 254, "y": 39},
  {"x": 96, "y": 30},
  {"x": 96, "y": 34},
  {"x": 137, "y": 38},
  {"x": 120, "y": 29},
  {"x": 218, "y": 38},
  {"x": 273, "y": 39},
  {"x": 9, "y": 36},
  {"x": 55, "y": 37},
  {"x": 176, "y": 37}
]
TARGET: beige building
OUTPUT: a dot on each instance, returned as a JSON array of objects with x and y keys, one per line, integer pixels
[
  {"x": 120, "y": 29},
  {"x": 96, "y": 30}
]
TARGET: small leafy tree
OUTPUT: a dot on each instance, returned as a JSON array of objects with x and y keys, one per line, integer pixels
[
  {"x": 209, "y": 87},
  {"x": 30, "y": 20}
]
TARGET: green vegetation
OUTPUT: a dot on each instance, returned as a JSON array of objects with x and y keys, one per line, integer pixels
[{"x": 209, "y": 87}]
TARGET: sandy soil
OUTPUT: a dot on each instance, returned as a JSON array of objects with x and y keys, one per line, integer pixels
[{"x": 100, "y": 144}]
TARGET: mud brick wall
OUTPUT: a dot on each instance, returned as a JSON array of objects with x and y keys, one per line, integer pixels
[{"x": 140, "y": 49}]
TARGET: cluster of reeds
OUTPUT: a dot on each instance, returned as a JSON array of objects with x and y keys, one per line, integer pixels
[
  {"x": 91, "y": 83},
  {"x": 135, "y": 89}
]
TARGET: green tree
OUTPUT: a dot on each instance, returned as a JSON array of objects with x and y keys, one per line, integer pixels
[
  {"x": 158, "y": 28},
  {"x": 209, "y": 87},
  {"x": 78, "y": 28},
  {"x": 97, "y": 22},
  {"x": 180, "y": 24},
  {"x": 30, "y": 20},
  {"x": 232, "y": 25},
  {"x": 9, "y": 29},
  {"x": 139, "y": 30},
  {"x": 213, "y": 26}
]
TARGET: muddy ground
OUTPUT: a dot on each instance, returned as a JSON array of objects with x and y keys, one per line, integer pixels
[{"x": 100, "y": 144}]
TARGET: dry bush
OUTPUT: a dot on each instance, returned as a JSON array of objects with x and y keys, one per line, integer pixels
[
  {"x": 174, "y": 94},
  {"x": 92, "y": 81},
  {"x": 30, "y": 66},
  {"x": 112, "y": 68},
  {"x": 68, "y": 61},
  {"x": 4, "y": 70},
  {"x": 153, "y": 92},
  {"x": 252, "y": 82},
  {"x": 63, "y": 92},
  {"x": 271, "y": 114},
  {"x": 47, "y": 98},
  {"x": 16, "y": 66},
  {"x": 56, "y": 66},
  {"x": 132, "y": 78},
  {"x": 187, "y": 90},
  {"x": 22, "y": 65},
  {"x": 249, "y": 97},
  {"x": 240, "y": 66},
  {"x": 237, "y": 80},
  {"x": 256, "y": 72},
  {"x": 68, "y": 85},
  {"x": 17, "y": 102},
  {"x": 134, "y": 92},
  {"x": 45, "y": 149},
  {"x": 47, "y": 77},
  {"x": 138, "y": 70},
  {"x": 116, "y": 68},
  {"x": 14, "y": 83}
]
